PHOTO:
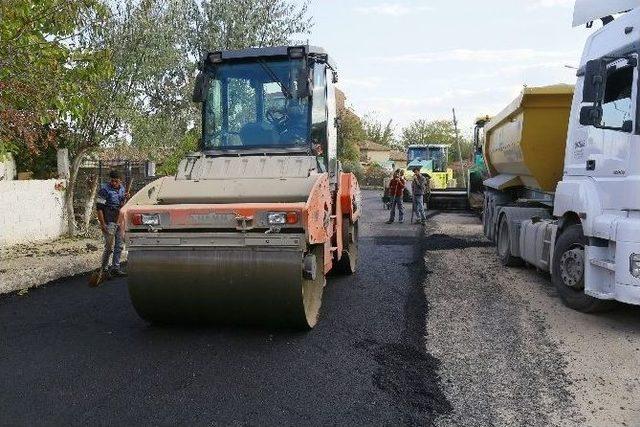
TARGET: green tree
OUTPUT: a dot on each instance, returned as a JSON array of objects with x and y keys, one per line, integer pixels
[
  {"x": 436, "y": 132},
  {"x": 428, "y": 132},
  {"x": 163, "y": 117},
  {"x": 377, "y": 131},
  {"x": 41, "y": 69},
  {"x": 224, "y": 24},
  {"x": 350, "y": 133}
]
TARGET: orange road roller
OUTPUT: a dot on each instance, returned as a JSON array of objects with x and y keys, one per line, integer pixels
[{"x": 249, "y": 227}]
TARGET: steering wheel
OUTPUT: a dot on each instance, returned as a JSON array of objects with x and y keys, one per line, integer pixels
[{"x": 277, "y": 117}]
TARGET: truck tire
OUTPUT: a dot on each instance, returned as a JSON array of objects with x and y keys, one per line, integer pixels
[
  {"x": 503, "y": 245},
  {"x": 568, "y": 272}
]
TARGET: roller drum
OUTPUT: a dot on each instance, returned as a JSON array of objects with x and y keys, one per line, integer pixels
[{"x": 263, "y": 286}]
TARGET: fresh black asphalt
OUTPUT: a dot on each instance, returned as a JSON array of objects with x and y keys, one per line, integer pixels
[{"x": 74, "y": 355}]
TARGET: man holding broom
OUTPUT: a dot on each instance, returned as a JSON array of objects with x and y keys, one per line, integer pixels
[{"x": 111, "y": 198}]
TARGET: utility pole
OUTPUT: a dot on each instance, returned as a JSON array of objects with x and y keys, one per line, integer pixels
[{"x": 455, "y": 126}]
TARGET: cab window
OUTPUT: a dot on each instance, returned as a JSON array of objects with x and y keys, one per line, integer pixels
[
  {"x": 617, "y": 107},
  {"x": 319, "y": 110}
]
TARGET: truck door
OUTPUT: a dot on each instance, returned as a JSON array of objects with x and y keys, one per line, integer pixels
[
  {"x": 618, "y": 112},
  {"x": 605, "y": 147}
]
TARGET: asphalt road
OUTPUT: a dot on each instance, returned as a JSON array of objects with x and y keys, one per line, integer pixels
[
  {"x": 432, "y": 330},
  {"x": 74, "y": 355}
]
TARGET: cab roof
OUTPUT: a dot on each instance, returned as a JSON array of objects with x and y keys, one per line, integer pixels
[{"x": 273, "y": 52}]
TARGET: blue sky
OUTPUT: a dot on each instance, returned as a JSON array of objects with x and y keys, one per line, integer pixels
[{"x": 412, "y": 59}]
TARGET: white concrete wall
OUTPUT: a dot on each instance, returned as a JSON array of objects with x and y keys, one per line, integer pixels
[
  {"x": 31, "y": 211},
  {"x": 7, "y": 167}
]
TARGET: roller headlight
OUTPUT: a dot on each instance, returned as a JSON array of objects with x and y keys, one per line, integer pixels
[
  {"x": 634, "y": 265},
  {"x": 282, "y": 218},
  {"x": 277, "y": 218},
  {"x": 150, "y": 219},
  {"x": 146, "y": 219}
]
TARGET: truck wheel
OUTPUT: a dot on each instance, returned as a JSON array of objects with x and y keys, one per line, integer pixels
[
  {"x": 349, "y": 260},
  {"x": 568, "y": 272},
  {"x": 503, "y": 245}
]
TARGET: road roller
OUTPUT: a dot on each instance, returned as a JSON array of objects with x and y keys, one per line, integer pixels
[{"x": 251, "y": 224}]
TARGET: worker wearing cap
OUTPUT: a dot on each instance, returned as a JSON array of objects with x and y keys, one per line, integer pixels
[
  {"x": 396, "y": 190},
  {"x": 418, "y": 188},
  {"x": 111, "y": 198}
]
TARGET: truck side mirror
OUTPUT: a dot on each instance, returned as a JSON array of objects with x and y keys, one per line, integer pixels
[
  {"x": 627, "y": 126},
  {"x": 199, "y": 89},
  {"x": 594, "y": 78},
  {"x": 591, "y": 115}
]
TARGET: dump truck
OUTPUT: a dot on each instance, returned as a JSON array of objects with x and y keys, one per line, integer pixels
[
  {"x": 564, "y": 192},
  {"x": 251, "y": 224}
]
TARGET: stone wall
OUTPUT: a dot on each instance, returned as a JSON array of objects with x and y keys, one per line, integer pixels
[{"x": 31, "y": 211}]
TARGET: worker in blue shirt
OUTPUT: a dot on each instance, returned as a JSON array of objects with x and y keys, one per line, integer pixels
[{"x": 111, "y": 198}]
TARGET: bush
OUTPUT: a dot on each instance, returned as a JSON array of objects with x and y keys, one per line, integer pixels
[
  {"x": 188, "y": 144},
  {"x": 355, "y": 168},
  {"x": 374, "y": 176}
]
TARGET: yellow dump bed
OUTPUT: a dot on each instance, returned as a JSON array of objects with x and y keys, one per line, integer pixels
[{"x": 525, "y": 142}]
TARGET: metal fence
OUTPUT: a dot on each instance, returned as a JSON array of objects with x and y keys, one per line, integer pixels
[{"x": 95, "y": 173}]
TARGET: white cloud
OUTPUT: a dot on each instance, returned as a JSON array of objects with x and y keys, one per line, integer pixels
[
  {"x": 469, "y": 103},
  {"x": 445, "y": 99},
  {"x": 539, "y": 4},
  {"x": 391, "y": 9},
  {"x": 363, "y": 82},
  {"x": 480, "y": 55}
]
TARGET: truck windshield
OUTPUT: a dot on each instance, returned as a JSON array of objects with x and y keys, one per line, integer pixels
[{"x": 256, "y": 105}]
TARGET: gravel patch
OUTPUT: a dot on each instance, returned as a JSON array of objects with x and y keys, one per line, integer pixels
[
  {"x": 499, "y": 364},
  {"x": 30, "y": 265}
]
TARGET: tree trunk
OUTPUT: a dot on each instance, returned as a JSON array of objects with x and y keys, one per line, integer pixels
[
  {"x": 89, "y": 203},
  {"x": 70, "y": 194}
]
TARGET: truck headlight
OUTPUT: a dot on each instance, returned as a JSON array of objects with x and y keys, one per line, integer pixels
[
  {"x": 146, "y": 219},
  {"x": 634, "y": 265},
  {"x": 282, "y": 218}
]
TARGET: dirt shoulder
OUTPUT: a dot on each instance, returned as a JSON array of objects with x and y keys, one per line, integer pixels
[
  {"x": 30, "y": 265},
  {"x": 511, "y": 352}
]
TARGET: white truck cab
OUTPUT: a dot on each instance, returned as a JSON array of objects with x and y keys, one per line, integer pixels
[
  {"x": 601, "y": 182},
  {"x": 584, "y": 230}
]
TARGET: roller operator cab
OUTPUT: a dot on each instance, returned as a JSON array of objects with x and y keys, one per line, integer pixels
[
  {"x": 250, "y": 225},
  {"x": 564, "y": 194}
]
